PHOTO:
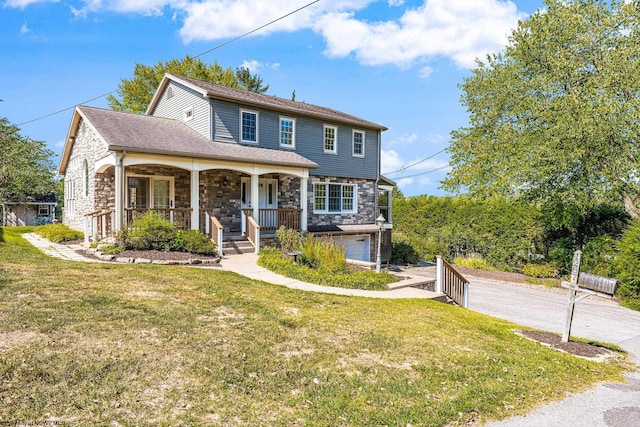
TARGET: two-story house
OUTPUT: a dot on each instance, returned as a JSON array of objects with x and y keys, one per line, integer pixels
[{"x": 227, "y": 161}]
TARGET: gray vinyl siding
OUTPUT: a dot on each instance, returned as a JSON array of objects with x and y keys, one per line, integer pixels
[
  {"x": 182, "y": 99},
  {"x": 309, "y": 140}
]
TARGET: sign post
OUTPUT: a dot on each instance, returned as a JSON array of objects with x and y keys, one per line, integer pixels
[{"x": 573, "y": 287}]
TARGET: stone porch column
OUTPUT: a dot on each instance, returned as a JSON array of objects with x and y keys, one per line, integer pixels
[
  {"x": 195, "y": 200},
  {"x": 304, "y": 203}
]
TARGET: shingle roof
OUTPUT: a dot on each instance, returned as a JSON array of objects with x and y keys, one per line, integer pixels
[
  {"x": 218, "y": 91},
  {"x": 149, "y": 134}
]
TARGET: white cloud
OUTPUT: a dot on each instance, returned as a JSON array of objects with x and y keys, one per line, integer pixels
[
  {"x": 425, "y": 72},
  {"x": 21, "y": 4},
  {"x": 462, "y": 30},
  {"x": 402, "y": 140},
  {"x": 256, "y": 66},
  {"x": 24, "y": 29}
]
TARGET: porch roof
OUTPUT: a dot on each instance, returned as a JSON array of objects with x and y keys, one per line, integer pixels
[
  {"x": 155, "y": 135},
  {"x": 225, "y": 93}
]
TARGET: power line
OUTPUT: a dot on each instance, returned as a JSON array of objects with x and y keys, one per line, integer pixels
[
  {"x": 404, "y": 168},
  {"x": 63, "y": 110},
  {"x": 422, "y": 173},
  {"x": 257, "y": 29},
  {"x": 197, "y": 56}
]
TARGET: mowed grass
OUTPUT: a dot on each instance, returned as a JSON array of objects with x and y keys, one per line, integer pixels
[{"x": 107, "y": 344}]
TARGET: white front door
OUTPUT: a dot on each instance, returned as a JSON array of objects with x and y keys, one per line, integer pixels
[{"x": 267, "y": 197}]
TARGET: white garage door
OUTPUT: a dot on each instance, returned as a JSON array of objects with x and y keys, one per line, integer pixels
[{"x": 356, "y": 247}]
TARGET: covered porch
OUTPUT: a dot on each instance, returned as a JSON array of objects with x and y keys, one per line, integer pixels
[{"x": 213, "y": 196}]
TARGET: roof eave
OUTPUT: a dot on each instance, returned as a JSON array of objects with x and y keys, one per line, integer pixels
[{"x": 313, "y": 165}]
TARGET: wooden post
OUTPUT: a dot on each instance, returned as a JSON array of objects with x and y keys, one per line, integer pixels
[
  {"x": 575, "y": 272},
  {"x": 439, "y": 272}
]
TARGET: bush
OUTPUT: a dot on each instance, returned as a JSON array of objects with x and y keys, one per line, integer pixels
[
  {"x": 289, "y": 240},
  {"x": 475, "y": 263},
  {"x": 193, "y": 241},
  {"x": 273, "y": 260},
  {"x": 540, "y": 271},
  {"x": 599, "y": 256},
  {"x": 403, "y": 253},
  {"x": 151, "y": 231},
  {"x": 628, "y": 262},
  {"x": 323, "y": 254},
  {"x": 58, "y": 233}
]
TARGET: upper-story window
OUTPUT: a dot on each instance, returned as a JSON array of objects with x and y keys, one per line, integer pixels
[
  {"x": 248, "y": 126},
  {"x": 188, "y": 114},
  {"x": 287, "y": 132},
  {"x": 358, "y": 143},
  {"x": 330, "y": 143}
]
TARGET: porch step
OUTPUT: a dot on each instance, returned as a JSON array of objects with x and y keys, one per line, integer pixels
[{"x": 237, "y": 245}]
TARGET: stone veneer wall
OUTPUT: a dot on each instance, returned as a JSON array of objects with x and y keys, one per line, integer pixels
[
  {"x": 182, "y": 180},
  {"x": 87, "y": 147},
  {"x": 223, "y": 201},
  {"x": 366, "y": 213}
]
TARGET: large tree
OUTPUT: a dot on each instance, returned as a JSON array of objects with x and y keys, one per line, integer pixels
[
  {"x": 26, "y": 168},
  {"x": 135, "y": 94},
  {"x": 555, "y": 117}
]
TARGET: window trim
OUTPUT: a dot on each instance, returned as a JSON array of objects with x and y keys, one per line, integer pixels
[
  {"x": 335, "y": 139},
  {"x": 187, "y": 114},
  {"x": 293, "y": 132},
  {"x": 353, "y": 142},
  {"x": 326, "y": 194},
  {"x": 257, "y": 115},
  {"x": 151, "y": 199}
]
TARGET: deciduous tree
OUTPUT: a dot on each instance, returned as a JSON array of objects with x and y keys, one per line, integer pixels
[
  {"x": 556, "y": 116},
  {"x": 135, "y": 94},
  {"x": 26, "y": 168}
]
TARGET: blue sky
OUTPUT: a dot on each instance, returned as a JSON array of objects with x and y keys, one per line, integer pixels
[{"x": 394, "y": 62}]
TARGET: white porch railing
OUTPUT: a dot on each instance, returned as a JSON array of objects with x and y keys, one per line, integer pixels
[
  {"x": 451, "y": 283},
  {"x": 214, "y": 230}
]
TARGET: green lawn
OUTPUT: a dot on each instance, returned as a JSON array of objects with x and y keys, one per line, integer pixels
[{"x": 107, "y": 344}]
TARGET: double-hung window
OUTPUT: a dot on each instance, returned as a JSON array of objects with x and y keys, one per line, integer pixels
[
  {"x": 358, "y": 143},
  {"x": 330, "y": 144},
  {"x": 248, "y": 126},
  {"x": 287, "y": 132},
  {"x": 334, "y": 198}
]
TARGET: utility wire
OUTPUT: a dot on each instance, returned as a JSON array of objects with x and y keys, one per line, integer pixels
[
  {"x": 197, "y": 56},
  {"x": 421, "y": 173},
  {"x": 404, "y": 168},
  {"x": 256, "y": 29}
]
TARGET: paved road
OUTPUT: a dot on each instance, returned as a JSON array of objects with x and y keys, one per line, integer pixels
[{"x": 608, "y": 405}]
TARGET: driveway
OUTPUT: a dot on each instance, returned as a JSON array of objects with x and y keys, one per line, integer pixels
[{"x": 608, "y": 405}]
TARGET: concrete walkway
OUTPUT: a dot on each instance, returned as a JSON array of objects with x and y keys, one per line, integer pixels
[{"x": 246, "y": 265}]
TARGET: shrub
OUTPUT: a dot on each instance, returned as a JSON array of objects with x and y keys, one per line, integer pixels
[
  {"x": 628, "y": 262},
  {"x": 403, "y": 253},
  {"x": 193, "y": 241},
  {"x": 273, "y": 260},
  {"x": 58, "y": 233},
  {"x": 475, "y": 263},
  {"x": 323, "y": 254},
  {"x": 150, "y": 231},
  {"x": 540, "y": 271},
  {"x": 288, "y": 239},
  {"x": 599, "y": 256}
]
